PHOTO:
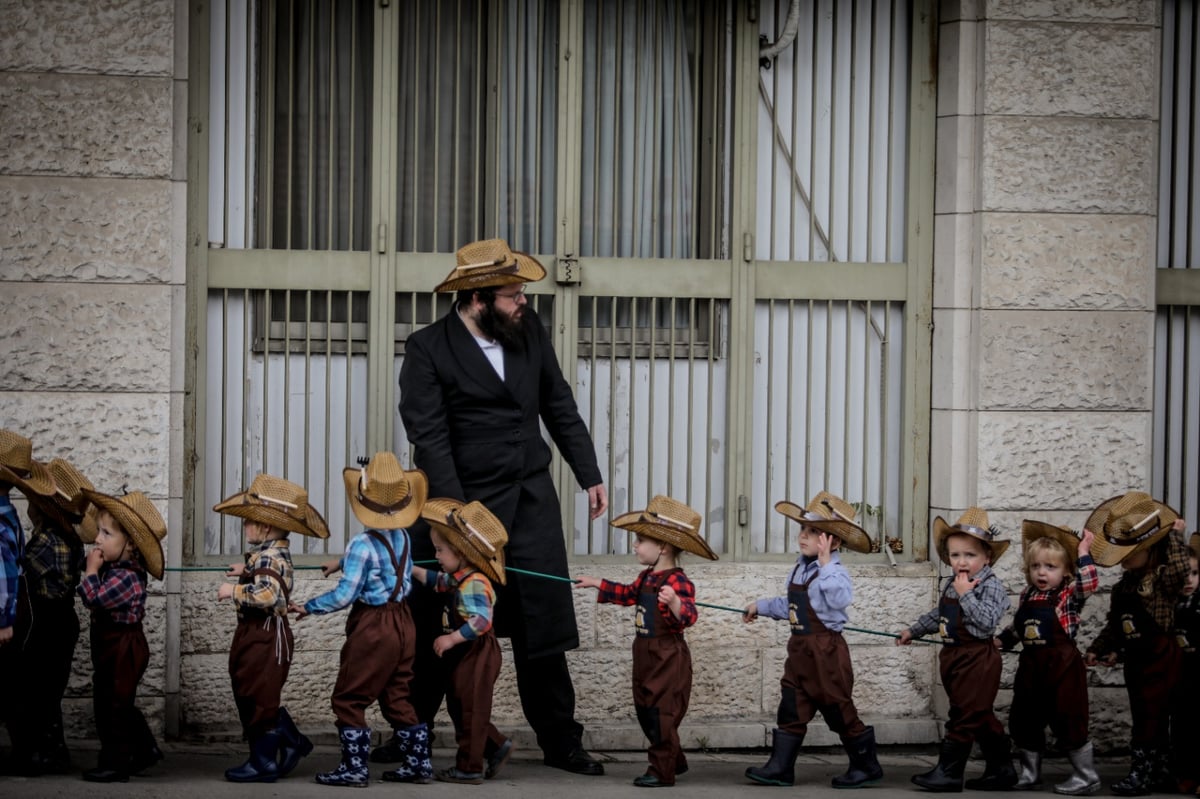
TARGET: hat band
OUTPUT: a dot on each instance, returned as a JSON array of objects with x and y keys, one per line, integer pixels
[
  {"x": 454, "y": 518},
  {"x": 1128, "y": 542},
  {"x": 978, "y": 531},
  {"x": 386, "y": 510},
  {"x": 668, "y": 521},
  {"x": 813, "y": 516}
]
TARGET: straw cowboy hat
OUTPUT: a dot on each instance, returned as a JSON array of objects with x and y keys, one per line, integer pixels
[
  {"x": 1033, "y": 530},
  {"x": 18, "y": 467},
  {"x": 1127, "y": 524},
  {"x": 668, "y": 520},
  {"x": 473, "y": 530},
  {"x": 829, "y": 514},
  {"x": 67, "y": 504},
  {"x": 383, "y": 495},
  {"x": 487, "y": 263},
  {"x": 973, "y": 522},
  {"x": 141, "y": 522},
  {"x": 1194, "y": 545},
  {"x": 276, "y": 502}
]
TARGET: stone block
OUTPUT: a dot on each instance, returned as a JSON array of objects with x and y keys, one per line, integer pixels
[
  {"x": 116, "y": 439},
  {"x": 76, "y": 337},
  {"x": 127, "y": 38},
  {"x": 719, "y": 690},
  {"x": 85, "y": 125},
  {"x": 956, "y": 174},
  {"x": 955, "y": 345},
  {"x": 1067, "y": 261},
  {"x": 1069, "y": 165},
  {"x": 1049, "y": 69},
  {"x": 955, "y": 265},
  {"x": 957, "y": 62},
  {"x": 1052, "y": 459},
  {"x": 1129, "y": 12},
  {"x": 1062, "y": 360},
  {"x": 954, "y": 466},
  {"x": 69, "y": 230},
  {"x": 602, "y": 678}
]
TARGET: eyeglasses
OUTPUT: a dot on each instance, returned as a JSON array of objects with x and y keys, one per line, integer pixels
[{"x": 515, "y": 296}]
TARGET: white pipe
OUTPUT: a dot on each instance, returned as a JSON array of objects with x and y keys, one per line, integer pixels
[{"x": 790, "y": 28}]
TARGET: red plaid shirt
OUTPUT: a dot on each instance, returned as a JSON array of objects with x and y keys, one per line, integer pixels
[
  {"x": 622, "y": 594},
  {"x": 1072, "y": 596},
  {"x": 117, "y": 591}
]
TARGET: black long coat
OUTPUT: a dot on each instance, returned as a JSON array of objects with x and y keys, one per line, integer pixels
[{"x": 477, "y": 438}]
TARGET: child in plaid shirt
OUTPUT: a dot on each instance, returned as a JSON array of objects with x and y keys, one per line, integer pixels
[
  {"x": 128, "y": 545},
  {"x": 260, "y": 656},
  {"x": 666, "y": 606},
  {"x": 1051, "y": 683},
  {"x": 468, "y": 541},
  {"x": 1185, "y": 711}
]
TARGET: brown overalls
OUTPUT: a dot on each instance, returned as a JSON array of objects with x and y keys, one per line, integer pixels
[
  {"x": 119, "y": 659},
  {"x": 260, "y": 658},
  {"x": 1051, "y": 683},
  {"x": 1152, "y": 667},
  {"x": 473, "y": 668},
  {"x": 662, "y": 684},
  {"x": 970, "y": 669}
]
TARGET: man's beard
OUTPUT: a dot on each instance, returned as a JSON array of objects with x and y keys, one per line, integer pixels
[{"x": 502, "y": 327}]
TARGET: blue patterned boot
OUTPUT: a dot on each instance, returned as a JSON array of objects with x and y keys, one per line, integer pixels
[
  {"x": 417, "y": 762},
  {"x": 356, "y": 749}
]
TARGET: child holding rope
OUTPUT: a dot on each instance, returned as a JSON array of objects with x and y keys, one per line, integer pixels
[
  {"x": 818, "y": 676},
  {"x": 665, "y": 600}
]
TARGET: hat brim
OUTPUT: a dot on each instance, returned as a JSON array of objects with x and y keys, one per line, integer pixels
[
  {"x": 39, "y": 481},
  {"x": 528, "y": 270},
  {"x": 1032, "y": 530},
  {"x": 1106, "y": 553},
  {"x": 943, "y": 530},
  {"x": 490, "y": 564},
  {"x": 137, "y": 528},
  {"x": 238, "y": 505},
  {"x": 64, "y": 518},
  {"x": 636, "y": 522},
  {"x": 852, "y": 536},
  {"x": 418, "y": 486}
]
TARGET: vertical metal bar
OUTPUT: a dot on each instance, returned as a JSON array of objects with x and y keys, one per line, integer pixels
[
  {"x": 535, "y": 105},
  {"x": 417, "y": 85},
  {"x": 223, "y": 449},
  {"x": 793, "y": 147},
  {"x": 708, "y": 416},
  {"x": 671, "y": 398},
  {"x": 889, "y": 167},
  {"x": 612, "y": 403},
  {"x": 351, "y": 122},
  {"x": 635, "y": 240},
  {"x": 774, "y": 255},
  {"x": 331, "y": 133},
  {"x": 808, "y": 407},
  {"x": 691, "y": 396},
  {"x": 308, "y": 326},
  {"x": 311, "y": 154},
  {"x": 770, "y": 411},
  {"x": 884, "y": 411},
  {"x": 328, "y": 426},
  {"x": 812, "y": 139},
  {"x": 846, "y": 402},
  {"x": 435, "y": 143},
  {"x": 828, "y": 383},
  {"x": 266, "y": 377},
  {"x": 632, "y": 393},
  {"x": 872, "y": 196},
  {"x": 456, "y": 131},
  {"x": 833, "y": 138},
  {"x": 518, "y": 198},
  {"x": 866, "y": 407},
  {"x": 617, "y": 127},
  {"x": 790, "y": 360},
  {"x": 592, "y": 413},
  {"x": 244, "y": 389},
  {"x": 850, "y": 170},
  {"x": 287, "y": 376},
  {"x": 651, "y": 395},
  {"x": 228, "y": 137},
  {"x": 473, "y": 131},
  {"x": 348, "y": 451},
  {"x": 291, "y": 120},
  {"x": 247, "y": 183}
]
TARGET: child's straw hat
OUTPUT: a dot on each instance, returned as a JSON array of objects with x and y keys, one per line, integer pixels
[
  {"x": 18, "y": 467},
  {"x": 1033, "y": 530},
  {"x": 473, "y": 530},
  {"x": 1194, "y": 545},
  {"x": 829, "y": 514},
  {"x": 67, "y": 505},
  {"x": 140, "y": 520},
  {"x": 1126, "y": 524},
  {"x": 276, "y": 502},
  {"x": 487, "y": 263},
  {"x": 383, "y": 495},
  {"x": 668, "y": 520},
  {"x": 973, "y": 522}
]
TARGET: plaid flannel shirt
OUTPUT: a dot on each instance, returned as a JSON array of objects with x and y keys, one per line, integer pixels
[
  {"x": 1159, "y": 601},
  {"x": 474, "y": 598},
  {"x": 12, "y": 544},
  {"x": 982, "y": 607},
  {"x": 367, "y": 573},
  {"x": 53, "y": 562},
  {"x": 1070, "y": 602},
  {"x": 117, "y": 591},
  {"x": 264, "y": 593},
  {"x": 627, "y": 594}
]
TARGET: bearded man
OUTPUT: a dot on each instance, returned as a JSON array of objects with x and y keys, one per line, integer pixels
[{"x": 473, "y": 387}]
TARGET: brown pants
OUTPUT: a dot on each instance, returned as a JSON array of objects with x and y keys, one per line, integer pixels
[
  {"x": 818, "y": 678},
  {"x": 662, "y": 689},
  {"x": 260, "y": 658},
  {"x": 376, "y": 665},
  {"x": 1151, "y": 676},
  {"x": 971, "y": 676},
  {"x": 469, "y": 702},
  {"x": 119, "y": 659},
  {"x": 1050, "y": 689}
]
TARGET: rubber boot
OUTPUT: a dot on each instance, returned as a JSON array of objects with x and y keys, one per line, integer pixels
[
  {"x": 1162, "y": 777},
  {"x": 416, "y": 765},
  {"x": 864, "y": 765},
  {"x": 57, "y": 755},
  {"x": 998, "y": 773},
  {"x": 1137, "y": 781},
  {"x": 260, "y": 766},
  {"x": 1084, "y": 781},
  {"x": 781, "y": 768},
  {"x": 352, "y": 771},
  {"x": 293, "y": 744},
  {"x": 947, "y": 775},
  {"x": 1029, "y": 775}
]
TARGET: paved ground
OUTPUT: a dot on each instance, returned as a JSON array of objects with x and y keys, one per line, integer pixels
[{"x": 195, "y": 770}]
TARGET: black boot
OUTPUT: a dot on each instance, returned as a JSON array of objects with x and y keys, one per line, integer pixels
[
  {"x": 781, "y": 768},
  {"x": 947, "y": 775},
  {"x": 998, "y": 773},
  {"x": 260, "y": 766},
  {"x": 58, "y": 757},
  {"x": 864, "y": 765},
  {"x": 293, "y": 744},
  {"x": 1137, "y": 781}
]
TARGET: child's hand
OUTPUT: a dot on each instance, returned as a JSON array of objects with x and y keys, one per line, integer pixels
[
  {"x": 224, "y": 591},
  {"x": 750, "y": 613},
  {"x": 963, "y": 583},
  {"x": 824, "y": 546},
  {"x": 668, "y": 597},
  {"x": 236, "y": 570},
  {"x": 419, "y": 574},
  {"x": 298, "y": 610},
  {"x": 330, "y": 567},
  {"x": 444, "y": 643},
  {"x": 587, "y": 582},
  {"x": 1085, "y": 542},
  {"x": 999, "y": 644},
  {"x": 95, "y": 559},
  {"x": 6, "y": 634},
  {"x": 904, "y": 638},
  {"x": 1179, "y": 525}
]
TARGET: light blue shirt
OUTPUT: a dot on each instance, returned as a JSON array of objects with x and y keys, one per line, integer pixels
[
  {"x": 829, "y": 594},
  {"x": 367, "y": 573}
]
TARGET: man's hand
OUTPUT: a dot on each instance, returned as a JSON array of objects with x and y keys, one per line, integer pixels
[
  {"x": 597, "y": 500},
  {"x": 6, "y": 634}
]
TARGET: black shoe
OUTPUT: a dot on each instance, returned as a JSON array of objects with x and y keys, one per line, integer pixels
[
  {"x": 577, "y": 761},
  {"x": 105, "y": 775},
  {"x": 498, "y": 759},
  {"x": 650, "y": 781},
  {"x": 145, "y": 759},
  {"x": 453, "y": 774}
]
